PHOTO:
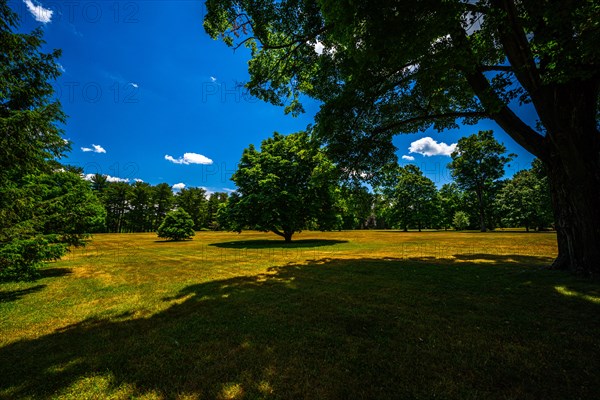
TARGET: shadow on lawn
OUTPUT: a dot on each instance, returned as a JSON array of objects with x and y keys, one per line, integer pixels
[
  {"x": 13, "y": 295},
  {"x": 335, "y": 328},
  {"x": 277, "y": 244},
  {"x": 505, "y": 258}
]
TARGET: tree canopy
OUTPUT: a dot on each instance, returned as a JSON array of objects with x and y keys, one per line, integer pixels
[{"x": 286, "y": 186}]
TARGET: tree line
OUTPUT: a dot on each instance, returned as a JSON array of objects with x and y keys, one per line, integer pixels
[{"x": 141, "y": 207}]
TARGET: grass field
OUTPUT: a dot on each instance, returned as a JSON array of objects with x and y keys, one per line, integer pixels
[{"x": 339, "y": 315}]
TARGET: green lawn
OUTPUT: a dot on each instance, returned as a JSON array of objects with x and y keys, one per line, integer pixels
[{"x": 340, "y": 315}]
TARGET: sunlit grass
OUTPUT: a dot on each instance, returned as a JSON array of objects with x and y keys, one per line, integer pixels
[{"x": 362, "y": 314}]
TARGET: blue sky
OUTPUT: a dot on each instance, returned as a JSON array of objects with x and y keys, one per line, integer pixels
[{"x": 158, "y": 98}]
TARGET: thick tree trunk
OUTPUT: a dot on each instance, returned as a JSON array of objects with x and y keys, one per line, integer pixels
[
  {"x": 286, "y": 235},
  {"x": 576, "y": 204},
  {"x": 573, "y": 166}
]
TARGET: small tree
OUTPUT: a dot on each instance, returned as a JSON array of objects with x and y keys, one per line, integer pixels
[
  {"x": 460, "y": 220},
  {"x": 177, "y": 225}
]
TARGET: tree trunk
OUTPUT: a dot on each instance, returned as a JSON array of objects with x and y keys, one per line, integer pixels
[
  {"x": 482, "y": 219},
  {"x": 576, "y": 204},
  {"x": 479, "y": 194},
  {"x": 287, "y": 236},
  {"x": 573, "y": 167}
]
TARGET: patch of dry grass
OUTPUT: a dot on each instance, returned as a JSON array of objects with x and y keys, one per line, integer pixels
[{"x": 361, "y": 314}]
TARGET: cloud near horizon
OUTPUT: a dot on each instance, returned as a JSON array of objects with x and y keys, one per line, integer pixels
[
  {"x": 190, "y": 158},
  {"x": 178, "y": 186},
  {"x": 427, "y": 146},
  {"x": 88, "y": 177},
  {"x": 408, "y": 158},
  {"x": 96, "y": 148},
  {"x": 39, "y": 13}
]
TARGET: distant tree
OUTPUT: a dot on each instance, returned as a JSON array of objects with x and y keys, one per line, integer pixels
[
  {"x": 177, "y": 225},
  {"x": 99, "y": 183},
  {"x": 477, "y": 165},
  {"x": 115, "y": 198},
  {"x": 355, "y": 205},
  {"x": 162, "y": 202},
  {"x": 284, "y": 188},
  {"x": 215, "y": 201},
  {"x": 460, "y": 220},
  {"x": 30, "y": 144},
  {"x": 411, "y": 200},
  {"x": 194, "y": 202},
  {"x": 141, "y": 213},
  {"x": 525, "y": 201},
  {"x": 450, "y": 199}
]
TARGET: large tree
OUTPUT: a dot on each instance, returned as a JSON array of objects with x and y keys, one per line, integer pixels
[
  {"x": 477, "y": 165},
  {"x": 404, "y": 66},
  {"x": 286, "y": 186},
  {"x": 30, "y": 144}
]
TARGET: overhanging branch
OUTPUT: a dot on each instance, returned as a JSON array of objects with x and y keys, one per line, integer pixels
[{"x": 431, "y": 117}]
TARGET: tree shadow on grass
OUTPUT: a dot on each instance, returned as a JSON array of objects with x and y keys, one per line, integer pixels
[
  {"x": 277, "y": 244},
  {"x": 54, "y": 272},
  {"x": 332, "y": 328},
  {"x": 505, "y": 258},
  {"x": 13, "y": 295}
]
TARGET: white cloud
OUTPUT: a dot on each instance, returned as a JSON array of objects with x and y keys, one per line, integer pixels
[
  {"x": 88, "y": 177},
  {"x": 138, "y": 180},
  {"x": 61, "y": 68},
  {"x": 38, "y": 12},
  {"x": 178, "y": 186},
  {"x": 229, "y": 190},
  {"x": 429, "y": 147},
  {"x": 213, "y": 79},
  {"x": 96, "y": 148},
  {"x": 408, "y": 158},
  {"x": 135, "y": 85},
  {"x": 319, "y": 48},
  {"x": 190, "y": 158},
  {"x": 116, "y": 179}
]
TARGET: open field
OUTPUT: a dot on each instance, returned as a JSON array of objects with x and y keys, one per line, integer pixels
[{"x": 337, "y": 315}]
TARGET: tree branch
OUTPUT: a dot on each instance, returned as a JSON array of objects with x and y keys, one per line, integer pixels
[
  {"x": 496, "y": 109},
  {"x": 431, "y": 117},
  {"x": 502, "y": 68},
  {"x": 516, "y": 47}
]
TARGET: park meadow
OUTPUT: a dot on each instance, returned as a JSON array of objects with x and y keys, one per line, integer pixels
[{"x": 349, "y": 314}]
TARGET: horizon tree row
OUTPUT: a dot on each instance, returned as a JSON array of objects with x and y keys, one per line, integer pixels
[{"x": 141, "y": 207}]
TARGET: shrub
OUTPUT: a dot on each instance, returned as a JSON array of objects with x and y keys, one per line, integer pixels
[
  {"x": 177, "y": 225},
  {"x": 460, "y": 220}
]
